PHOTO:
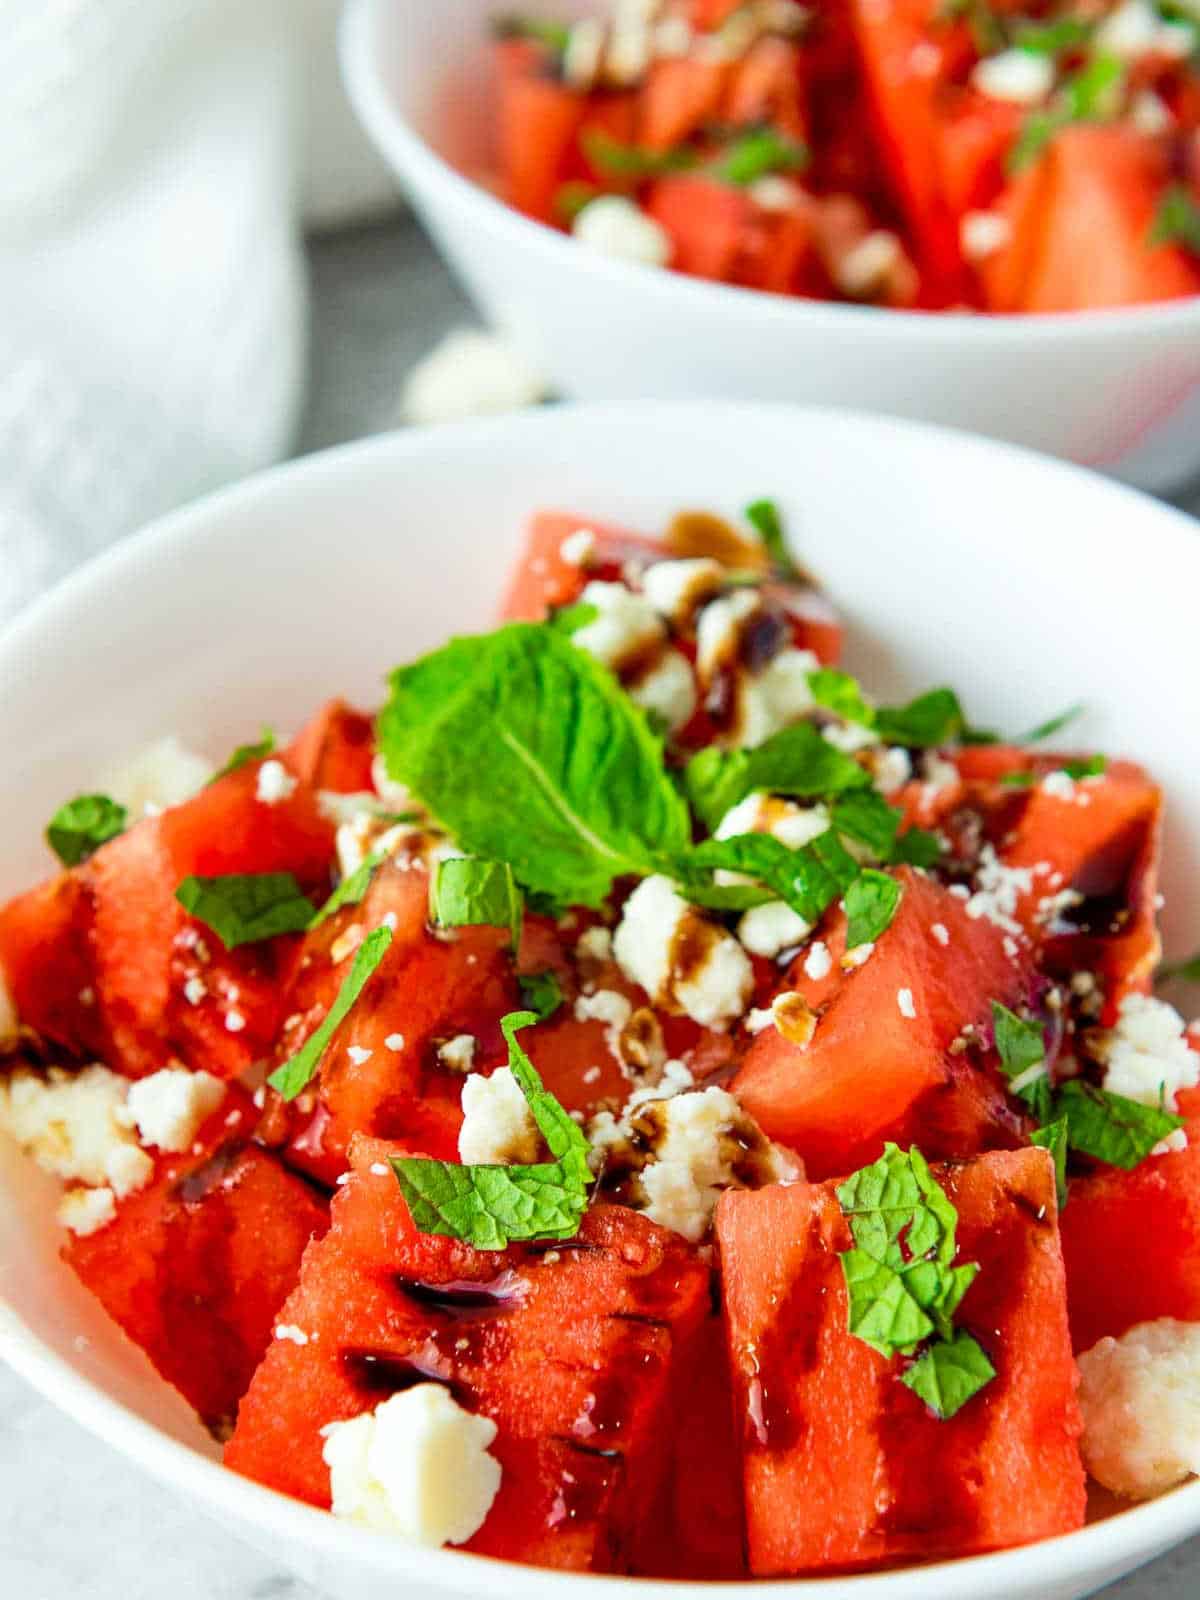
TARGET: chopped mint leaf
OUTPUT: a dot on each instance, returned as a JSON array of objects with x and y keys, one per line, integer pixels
[
  {"x": 466, "y": 892},
  {"x": 754, "y": 154},
  {"x": 577, "y": 794},
  {"x": 882, "y": 1311},
  {"x": 1055, "y": 1138},
  {"x": 1177, "y": 219},
  {"x": 351, "y": 890},
  {"x": 489, "y": 1206},
  {"x": 1188, "y": 971},
  {"x": 839, "y": 692},
  {"x": 1052, "y": 725},
  {"x": 797, "y": 762},
  {"x": 78, "y": 829},
  {"x": 897, "y": 1196},
  {"x": 1052, "y": 38},
  {"x": 541, "y": 992},
  {"x": 569, "y": 619},
  {"x": 808, "y": 879},
  {"x": 633, "y": 162},
  {"x": 763, "y": 516},
  {"x": 871, "y": 902},
  {"x": 865, "y": 816},
  {"x": 571, "y": 197},
  {"x": 1091, "y": 94},
  {"x": 1089, "y": 767},
  {"x": 934, "y": 718},
  {"x": 245, "y": 907},
  {"x": 246, "y": 753},
  {"x": 553, "y": 35},
  {"x": 1022, "y": 1050},
  {"x": 948, "y": 1374},
  {"x": 296, "y": 1073},
  {"x": 1110, "y": 1128},
  {"x": 917, "y": 847}
]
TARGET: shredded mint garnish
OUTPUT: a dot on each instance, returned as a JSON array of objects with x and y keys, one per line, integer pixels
[
  {"x": 246, "y": 753},
  {"x": 871, "y": 902},
  {"x": 541, "y": 992},
  {"x": 246, "y": 907},
  {"x": 466, "y": 892},
  {"x": 296, "y": 1073},
  {"x": 78, "y": 829}
]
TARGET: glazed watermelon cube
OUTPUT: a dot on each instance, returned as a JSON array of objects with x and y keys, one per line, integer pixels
[
  {"x": 335, "y": 750},
  {"x": 571, "y": 1348},
  {"x": 1131, "y": 1241},
  {"x": 195, "y": 1266},
  {"x": 879, "y": 1062},
  {"x": 845, "y": 1468},
  {"x": 46, "y": 963}
]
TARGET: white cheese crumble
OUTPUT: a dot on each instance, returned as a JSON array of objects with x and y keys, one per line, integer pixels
[
  {"x": 458, "y": 1053},
  {"x": 395, "y": 796},
  {"x": 1019, "y": 77},
  {"x": 417, "y": 1467},
  {"x": 892, "y": 769},
  {"x": 234, "y": 1021},
  {"x": 818, "y": 963},
  {"x": 770, "y": 929},
  {"x": 469, "y": 374},
  {"x": 774, "y": 698},
  {"x": 1146, "y": 1055},
  {"x": 1135, "y": 29},
  {"x": 1140, "y": 1397},
  {"x": 74, "y": 1124},
  {"x": 358, "y": 1054},
  {"x": 791, "y": 824},
  {"x": 866, "y": 267},
  {"x": 498, "y": 1127},
  {"x": 164, "y": 774},
  {"x": 394, "y": 1042},
  {"x": 168, "y": 1107},
  {"x": 983, "y": 233},
  {"x": 616, "y": 226},
  {"x": 194, "y": 990},
  {"x": 1150, "y": 113},
  {"x": 940, "y": 932},
  {"x": 676, "y": 588},
  {"x": 719, "y": 630},
  {"x": 1059, "y": 785},
  {"x": 291, "y": 1333},
  {"x": 849, "y": 737},
  {"x": 627, "y": 623},
  {"x": 997, "y": 890},
  {"x": 275, "y": 783},
  {"x": 668, "y": 689},
  {"x": 86, "y": 1211},
  {"x": 712, "y": 992},
  {"x": 578, "y": 549},
  {"x": 595, "y": 945},
  {"x": 904, "y": 999}
]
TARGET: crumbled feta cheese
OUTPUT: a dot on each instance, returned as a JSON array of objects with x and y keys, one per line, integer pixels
[
  {"x": 358, "y": 1054},
  {"x": 339, "y": 808},
  {"x": 628, "y": 53},
  {"x": 940, "y": 932},
  {"x": 891, "y": 769},
  {"x": 584, "y": 53},
  {"x": 773, "y": 192},
  {"x": 656, "y": 922},
  {"x": 1140, "y": 1398},
  {"x": 1175, "y": 1141},
  {"x": 458, "y": 1053},
  {"x": 291, "y": 1333},
  {"x": 578, "y": 549},
  {"x": 668, "y": 689},
  {"x": 595, "y": 945},
  {"x": 984, "y": 233},
  {"x": 498, "y": 1127},
  {"x": 1059, "y": 785},
  {"x": 858, "y": 957},
  {"x": 86, "y": 1211},
  {"x": 168, "y": 1107},
  {"x": 904, "y": 999},
  {"x": 818, "y": 962},
  {"x": 997, "y": 890},
  {"x": 937, "y": 774},
  {"x": 616, "y": 226},
  {"x": 469, "y": 374},
  {"x": 367, "y": 834},
  {"x": 194, "y": 990},
  {"x": 394, "y": 1042},
  {"x": 1150, "y": 113},
  {"x": 673, "y": 37},
  {"x": 606, "y": 1005},
  {"x": 719, "y": 630},
  {"x": 791, "y": 824},
  {"x": 234, "y": 1021},
  {"x": 275, "y": 783},
  {"x": 865, "y": 268},
  {"x": 1146, "y": 1056},
  {"x": 759, "y": 1019},
  {"x": 773, "y": 698},
  {"x": 1135, "y": 29},
  {"x": 676, "y": 588},
  {"x": 395, "y": 796},
  {"x": 1017, "y": 76},
  {"x": 769, "y": 929},
  {"x": 164, "y": 774},
  {"x": 73, "y": 1125},
  {"x": 417, "y": 1467},
  {"x": 849, "y": 737},
  {"x": 627, "y": 623}
]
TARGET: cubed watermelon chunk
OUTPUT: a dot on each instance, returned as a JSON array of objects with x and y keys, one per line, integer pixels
[
  {"x": 871, "y": 1071},
  {"x": 845, "y": 1468},
  {"x": 334, "y": 750},
  {"x": 571, "y": 1348},
  {"x": 195, "y": 1266}
]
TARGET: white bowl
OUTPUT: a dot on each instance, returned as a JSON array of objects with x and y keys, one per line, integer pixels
[
  {"x": 1114, "y": 389},
  {"x": 954, "y": 561}
]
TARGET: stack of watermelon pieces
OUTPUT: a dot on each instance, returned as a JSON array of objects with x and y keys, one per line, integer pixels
[{"x": 662, "y": 1407}]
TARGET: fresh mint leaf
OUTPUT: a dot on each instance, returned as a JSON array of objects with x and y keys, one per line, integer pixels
[
  {"x": 1091, "y": 94},
  {"x": 796, "y": 762},
  {"x": 1055, "y": 1137},
  {"x": 632, "y": 162},
  {"x": 1052, "y": 725},
  {"x": 78, "y": 829},
  {"x": 763, "y": 516},
  {"x": 949, "y": 1373},
  {"x": 351, "y": 890},
  {"x": 571, "y": 197},
  {"x": 1110, "y": 1128},
  {"x": 1052, "y": 38},
  {"x": 576, "y": 792},
  {"x": 838, "y": 692},
  {"x": 465, "y": 892},
  {"x": 1022, "y": 1050},
  {"x": 489, "y": 1206},
  {"x": 541, "y": 992},
  {"x": 1177, "y": 219},
  {"x": 871, "y": 902},
  {"x": 865, "y": 816},
  {"x": 1188, "y": 971},
  {"x": 917, "y": 847},
  {"x": 296, "y": 1073},
  {"x": 554, "y": 36},
  {"x": 1089, "y": 767},
  {"x": 246, "y": 753},
  {"x": 753, "y": 155},
  {"x": 246, "y": 907},
  {"x": 569, "y": 619},
  {"x": 932, "y": 719},
  {"x": 882, "y": 1311},
  {"x": 898, "y": 1196}
]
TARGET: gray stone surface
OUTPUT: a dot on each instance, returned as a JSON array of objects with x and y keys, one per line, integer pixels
[{"x": 76, "y": 1521}]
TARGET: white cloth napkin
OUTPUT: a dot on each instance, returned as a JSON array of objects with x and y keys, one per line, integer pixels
[{"x": 151, "y": 288}]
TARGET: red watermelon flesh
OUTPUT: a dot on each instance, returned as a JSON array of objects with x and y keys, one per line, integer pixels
[
  {"x": 571, "y": 1348},
  {"x": 845, "y": 1467},
  {"x": 46, "y": 962},
  {"x": 196, "y": 1265},
  {"x": 334, "y": 750},
  {"x": 870, "y": 1071}
]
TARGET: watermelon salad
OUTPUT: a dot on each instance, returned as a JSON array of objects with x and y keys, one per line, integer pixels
[
  {"x": 636, "y": 1103},
  {"x": 987, "y": 155}
]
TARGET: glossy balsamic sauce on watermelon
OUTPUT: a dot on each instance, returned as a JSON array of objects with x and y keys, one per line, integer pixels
[
  {"x": 792, "y": 1344},
  {"x": 379, "y": 1372},
  {"x": 465, "y": 1300}
]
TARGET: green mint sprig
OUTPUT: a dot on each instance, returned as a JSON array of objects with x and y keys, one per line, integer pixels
[
  {"x": 297, "y": 1072},
  {"x": 78, "y": 829}
]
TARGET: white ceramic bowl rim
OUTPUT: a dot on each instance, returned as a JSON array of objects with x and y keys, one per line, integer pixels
[
  {"x": 1099, "y": 1548},
  {"x": 396, "y": 138}
]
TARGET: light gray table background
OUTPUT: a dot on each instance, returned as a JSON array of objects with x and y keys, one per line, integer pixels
[{"x": 77, "y": 1522}]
